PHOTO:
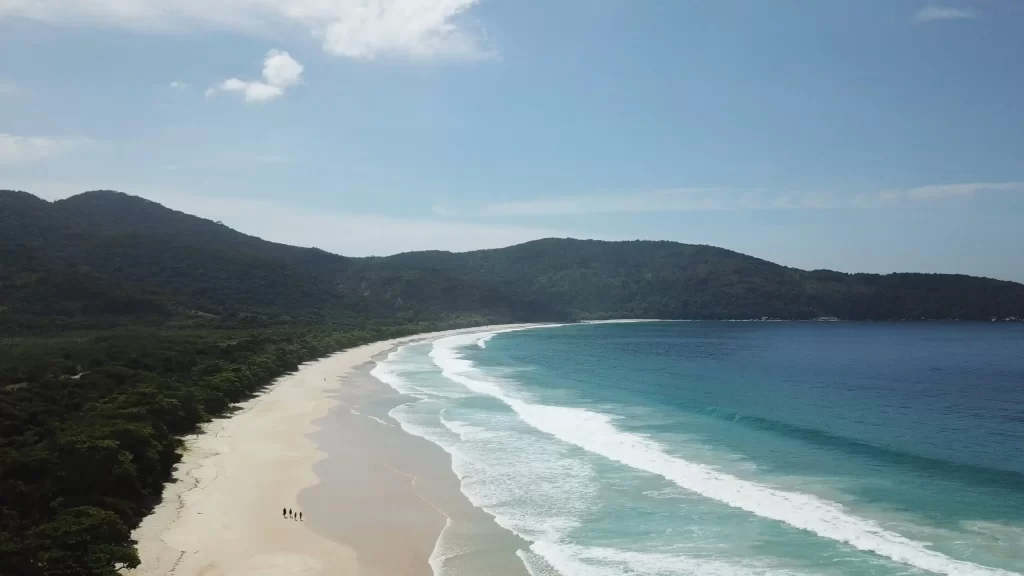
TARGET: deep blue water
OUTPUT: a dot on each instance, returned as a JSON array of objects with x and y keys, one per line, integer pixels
[{"x": 734, "y": 447}]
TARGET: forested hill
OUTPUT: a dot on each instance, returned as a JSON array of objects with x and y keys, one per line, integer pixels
[
  {"x": 105, "y": 258},
  {"x": 648, "y": 279}
]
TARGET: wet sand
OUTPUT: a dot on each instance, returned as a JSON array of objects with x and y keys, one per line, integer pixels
[{"x": 389, "y": 494}]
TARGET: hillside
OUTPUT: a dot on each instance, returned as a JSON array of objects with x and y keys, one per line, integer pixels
[
  {"x": 647, "y": 279},
  {"x": 105, "y": 259}
]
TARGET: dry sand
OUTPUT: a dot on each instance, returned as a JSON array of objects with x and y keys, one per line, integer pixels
[{"x": 221, "y": 515}]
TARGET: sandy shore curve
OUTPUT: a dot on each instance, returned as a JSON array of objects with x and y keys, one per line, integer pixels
[{"x": 221, "y": 513}]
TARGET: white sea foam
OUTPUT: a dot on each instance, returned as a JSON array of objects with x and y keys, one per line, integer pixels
[
  {"x": 385, "y": 372},
  {"x": 467, "y": 432},
  {"x": 521, "y": 477},
  {"x": 377, "y": 419},
  {"x": 357, "y": 413},
  {"x": 596, "y": 433},
  {"x": 528, "y": 483},
  {"x": 536, "y": 565},
  {"x": 631, "y": 321},
  {"x": 388, "y": 373},
  {"x": 574, "y": 560},
  {"x": 444, "y": 549}
]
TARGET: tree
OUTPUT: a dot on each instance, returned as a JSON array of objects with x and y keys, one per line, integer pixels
[{"x": 83, "y": 541}]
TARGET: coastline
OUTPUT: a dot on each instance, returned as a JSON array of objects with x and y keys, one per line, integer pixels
[
  {"x": 221, "y": 512},
  {"x": 393, "y": 497}
]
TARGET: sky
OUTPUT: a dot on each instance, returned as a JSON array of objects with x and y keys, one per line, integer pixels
[{"x": 857, "y": 135}]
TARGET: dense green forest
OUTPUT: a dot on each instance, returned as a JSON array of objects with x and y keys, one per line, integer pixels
[
  {"x": 90, "y": 426},
  {"x": 645, "y": 279},
  {"x": 105, "y": 259},
  {"x": 124, "y": 325}
]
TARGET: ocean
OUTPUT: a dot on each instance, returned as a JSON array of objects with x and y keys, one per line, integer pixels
[{"x": 731, "y": 448}]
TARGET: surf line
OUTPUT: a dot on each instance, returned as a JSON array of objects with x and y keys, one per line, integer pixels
[{"x": 595, "y": 433}]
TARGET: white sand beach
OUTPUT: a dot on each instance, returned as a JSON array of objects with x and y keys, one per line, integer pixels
[{"x": 221, "y": 516}]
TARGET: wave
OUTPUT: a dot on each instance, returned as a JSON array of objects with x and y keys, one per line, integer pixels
[
  {"x": 370, "y": 416},
  {"x": 546, "y": 496},
  {"x": 575, "y": 560},
  {"x": 443, "y": 549},
  {"x": 891, "y": 456},
  {"x": 386, "y": 372},
  {"x": 383, "y": 372},
  {"x": 596, "y": 433},
  {"x": 535, "y": 510},
  {"x": 541, "y": 501}
]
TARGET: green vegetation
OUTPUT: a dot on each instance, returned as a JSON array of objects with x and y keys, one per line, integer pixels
[
  {"x": 124, "y": 325},
  {"x": 90, "y": 427},
  {"x": 645, "y": 279}
]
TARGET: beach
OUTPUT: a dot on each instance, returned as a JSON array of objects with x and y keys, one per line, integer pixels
[{"x": 387, "y": 498}]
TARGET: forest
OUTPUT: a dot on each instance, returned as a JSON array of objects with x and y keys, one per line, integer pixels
[
  {"x": 91, "y": 426},
  {"x": 125, "y": 325}
]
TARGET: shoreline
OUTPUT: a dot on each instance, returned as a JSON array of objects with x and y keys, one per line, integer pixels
[
  {"x": 219, "y": 514},
  {"x": 393, "y": 496}
]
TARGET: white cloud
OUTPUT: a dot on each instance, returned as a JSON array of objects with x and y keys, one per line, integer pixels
[
  {"x": 675, "y": 200},
  {"x": 254, "y": 91},
  {"x": 418, "y": 29},
  {"x": 14, "y": 149},
  {"x": 280, "y": 71},
  {"x": 802, "y": 201},
  {"x": 934, "y": 13},
  {"x": 933, "y": 192},
  {"x": 878, "y": 198},
  {"x": 175, "y": 85},
  {"x": 962, "y": 190},
  {"x": 721, "y": 199}
]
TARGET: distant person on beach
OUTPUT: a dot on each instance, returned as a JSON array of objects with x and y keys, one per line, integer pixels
[
  {"x": 300, "y": 516},
  {"x": 289, "y": 512},
  {"x": 284, "y": 512}
]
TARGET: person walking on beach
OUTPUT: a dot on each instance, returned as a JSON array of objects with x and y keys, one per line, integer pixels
[
  {"x": 289, "y": 512},
  {"x": 300, "y": 516},
  {"x": 284, "y": 512}
]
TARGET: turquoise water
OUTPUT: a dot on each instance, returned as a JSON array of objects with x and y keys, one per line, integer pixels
[{"x": 733, "y": 448}]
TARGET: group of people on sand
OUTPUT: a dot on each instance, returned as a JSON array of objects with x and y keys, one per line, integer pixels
[{"x": 287, "y": 513}]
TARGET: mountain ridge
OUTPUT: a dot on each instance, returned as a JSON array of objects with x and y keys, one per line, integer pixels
[{"x": 137, "y": 260}]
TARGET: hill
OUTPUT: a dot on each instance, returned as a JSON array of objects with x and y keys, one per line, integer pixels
[
  {"x": 103, "y": 259},
  {"x": 649, "y": 279}
]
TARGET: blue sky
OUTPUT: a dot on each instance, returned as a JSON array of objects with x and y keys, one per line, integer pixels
[{"x": 871, "y": 136}]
